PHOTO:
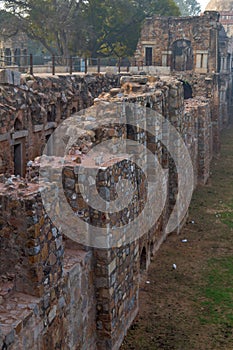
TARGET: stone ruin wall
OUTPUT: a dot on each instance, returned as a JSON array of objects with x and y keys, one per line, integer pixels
[
  {"x": 161, "y": 33},
  {"x": 217, "y": 88},
  {"x": 37, "y": 108},
  {"x": 56, "y": 294}
]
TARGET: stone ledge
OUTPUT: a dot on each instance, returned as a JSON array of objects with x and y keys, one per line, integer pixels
[
  {"x": 74, "y": 257},
  {"x": 50, "y": 125},
  {"x": 38, "y": 127},
  {"x": 20, "y": 134},
  {"x": 4, "y": 137},
  {"x": 15, "y": 313}
]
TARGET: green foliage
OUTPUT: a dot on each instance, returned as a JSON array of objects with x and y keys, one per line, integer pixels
[
  {"x": 52, "y": 22},
  {"x": 114, "y": 26},
  {"x": 218, "y": 303},
  {"x": 9, "y": 24},
  {"x": 94, "y": 27},
  {"x": 188, "y": 7},
  {"x": 227, "y": 218},
  {"x": 159, "y": 7}
]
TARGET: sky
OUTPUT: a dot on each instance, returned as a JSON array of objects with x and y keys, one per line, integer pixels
[{"x": 203, "y": 4}]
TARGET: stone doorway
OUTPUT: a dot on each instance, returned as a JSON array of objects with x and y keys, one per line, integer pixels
[
  {"x": 18, "y": 159},
  {"x": 8, "y": 58},
  {"x": 148, "y": 55},
  {"x": 19, "y": 156}
]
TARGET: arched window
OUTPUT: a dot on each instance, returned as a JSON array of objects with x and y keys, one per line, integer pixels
[
  {"x": 182, "y": 55},
  {"x": 74, "y": 110},
  {"x": 18, "y": 125}
]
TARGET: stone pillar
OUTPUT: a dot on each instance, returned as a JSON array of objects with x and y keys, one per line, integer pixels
[
  {"x": 166, "y": 58},
  {"x": 215, "y": 115},
  {"x": 117, "y": 285},
  {"x": 213, "y": 50},
  {"x": 32, "y": 245}
]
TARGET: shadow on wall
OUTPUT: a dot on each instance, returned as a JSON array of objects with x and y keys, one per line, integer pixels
[
  {"x": 143, "y": 260},
  {"x": 188, "y": 91},
  {"x": 182, "y": 53}
]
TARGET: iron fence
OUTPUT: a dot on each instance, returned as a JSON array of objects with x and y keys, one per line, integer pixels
[{"x": 57, "y": 64}]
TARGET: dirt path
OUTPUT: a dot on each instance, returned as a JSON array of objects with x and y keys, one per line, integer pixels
[{"x": 191, "y": 308}]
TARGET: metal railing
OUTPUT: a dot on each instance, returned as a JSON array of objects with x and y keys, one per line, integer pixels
[
  {"x": 34, "y": 64},
  {"x": 57, "y": 64}
]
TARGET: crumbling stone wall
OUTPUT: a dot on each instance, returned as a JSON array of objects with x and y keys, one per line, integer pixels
[
  {"x": 63, "y": 318},
  {"x": 27, "y": 239},
  {"x": 65, "y": 295},
  {"x": 218, "y": 88},
  {"x": 32, "y": 110},
  {"x": 196, "y": 44}
]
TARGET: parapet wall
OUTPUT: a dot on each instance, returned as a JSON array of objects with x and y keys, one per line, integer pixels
[
  {"x": 31, "y": 111},
  {"x": 61, "y": 293}
]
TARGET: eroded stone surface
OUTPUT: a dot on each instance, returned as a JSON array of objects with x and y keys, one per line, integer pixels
[{"x": 59, "y": 293}]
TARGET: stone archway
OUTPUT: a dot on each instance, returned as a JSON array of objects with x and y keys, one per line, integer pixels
[
  {"x": 182, "y": 55},
  {"x": 143, "y": 260},
  {"x": 18, "y": 125}
]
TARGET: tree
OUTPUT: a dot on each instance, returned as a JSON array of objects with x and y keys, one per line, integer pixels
[
  {"x": 189, "y": 7},
  {"x": 51, "y": 22},
  {"x": 90, "y": 27},
  {"x": 9, "y": 24},
  {"x": 158, "y": 7},
  {"x": 114, "y": 25}
]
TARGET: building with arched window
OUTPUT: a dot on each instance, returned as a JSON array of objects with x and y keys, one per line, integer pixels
[
  {"x": 13, "y": 50},
  {"x": 198, "y": 44}
]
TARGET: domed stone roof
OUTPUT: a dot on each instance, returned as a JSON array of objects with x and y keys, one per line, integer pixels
[{"x": 220, "y": 5}]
